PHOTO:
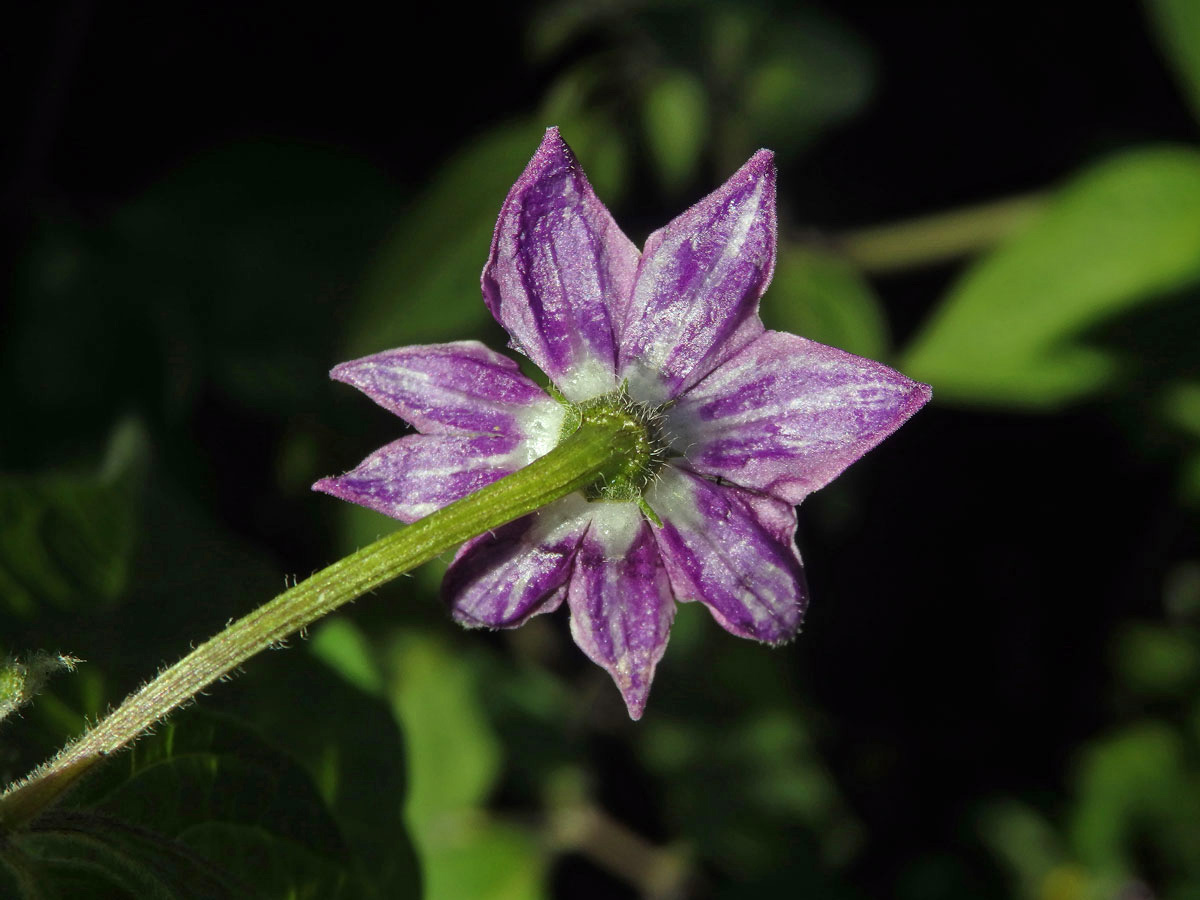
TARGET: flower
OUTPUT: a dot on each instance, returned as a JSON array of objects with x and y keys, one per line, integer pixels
[{"x": 740, "y": 423}]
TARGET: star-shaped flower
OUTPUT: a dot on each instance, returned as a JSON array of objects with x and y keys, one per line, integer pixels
[{"x": 740, "y": 423}]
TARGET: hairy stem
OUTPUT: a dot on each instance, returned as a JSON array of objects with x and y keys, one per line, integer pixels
[
  {"x": 940, "y": 237},
  {"x": 595, "y": 451}
]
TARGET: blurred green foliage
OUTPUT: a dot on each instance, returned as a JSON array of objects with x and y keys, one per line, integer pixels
[
  {"x": 825, "y": 298},
  {"x": 1178, "y": 25},
  {"x": 389, "y": 755},
  {"x": 1123, "y": 233},
  {"x": 67, "y": 539}
]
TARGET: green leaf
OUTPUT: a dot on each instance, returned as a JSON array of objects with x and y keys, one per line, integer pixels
[
  {"x": 201, "y": 809},
  {"x": 1134, "y": 788},
  {"x": 675, "y": 120},
  {"x": 822, "y": 297},
  {"x": 72, "y": 855},
  {"x": 66, "y": 540},
  {"x": 322, "y": 703},
  {"x": 1177, "y": 24},
  {"x": 345, "y": 649},
  {"x": 1122, "y": 234},
  {"x": 487, "y": 861},
  {"x": 455, "y": 759}
]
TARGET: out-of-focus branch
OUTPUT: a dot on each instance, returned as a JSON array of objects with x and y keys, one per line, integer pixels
[
  {"x": 658, "y": 873},
  {"x": 940, "y": 237}
]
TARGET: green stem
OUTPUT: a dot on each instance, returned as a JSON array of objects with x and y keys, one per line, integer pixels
[
  {"x": 940, "y": 237},
  {"x": 593, "y": 452}
]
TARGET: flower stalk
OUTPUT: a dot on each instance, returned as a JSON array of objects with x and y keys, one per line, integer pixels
[{"x": 595, "y": 452}]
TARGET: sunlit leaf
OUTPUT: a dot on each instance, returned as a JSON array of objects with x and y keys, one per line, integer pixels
[
  {"x": 345, "y": 649},
  {"x": 1123, "y": 233},
  {"x": 454, "y": 760},
  {"x": 488, "y": 861},
  {"x": 1177, "y": 24}
]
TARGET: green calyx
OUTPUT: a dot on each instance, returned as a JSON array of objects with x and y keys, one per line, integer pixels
[{"x": 639, "y": 443}]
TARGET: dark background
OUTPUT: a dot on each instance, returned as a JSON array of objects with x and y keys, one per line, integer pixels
[{"x": 974, "y": 581}]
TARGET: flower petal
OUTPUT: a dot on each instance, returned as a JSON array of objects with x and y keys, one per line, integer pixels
[
  {"x": 620, "y": 599},
  {"x": 732, "y": 550},
  {"x": 500, "y": 579},
  {"x": 786, "y": 415},
  {"x": 412, "y": 477},
  {"x": 695, "y": 300},
  {"x": 457, "y": 387},
  {"x": 557, "y": 261}
]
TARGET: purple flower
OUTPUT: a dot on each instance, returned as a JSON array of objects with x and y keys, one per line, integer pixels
[{"x": 742, "y": 423}]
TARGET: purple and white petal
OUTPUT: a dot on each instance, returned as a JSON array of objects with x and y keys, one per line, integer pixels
[
  {"x": 734, "y": 551},
  {"x": 558, "y": 261},
  {"x": 458, "y": 387},
  {"x": 787, "y": 415},
  {"x": 500, "y": 579},
  {"x": 620, "y": 599},
  {"x": 410, "y": 478},
  {"x": 695, "y": 301}
]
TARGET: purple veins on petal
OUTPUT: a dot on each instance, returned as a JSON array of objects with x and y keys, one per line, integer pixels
[
  {"x": 734, "y": 551},
  {"x": 558, "y": 260},
  {"x": 500, "y": 579},
  {"x": 695, "y": 300},
  {"x": 416, "y": 475},
  {"x": 756, "y": 421},
  {"x": 620, "y": 600},
  {"x": 787, "y": 415},
  {"x": 457, "y": 387}
]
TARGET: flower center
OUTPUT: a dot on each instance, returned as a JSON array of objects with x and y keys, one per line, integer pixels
[{"x": 641, "y": 444}]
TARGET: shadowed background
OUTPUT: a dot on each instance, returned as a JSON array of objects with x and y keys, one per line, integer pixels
[{"x": 206, "y": 207}]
